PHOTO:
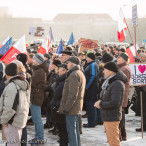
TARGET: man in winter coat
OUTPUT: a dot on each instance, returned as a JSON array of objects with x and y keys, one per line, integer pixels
[
  {"x": 122, "y": 62},
  {"x": 14, "y": 105},
  {"x": 72, "y": 100},
  {"x": 112, "y": 96},
  {"x": 37, "y": 96},
  {"x": 91, "y": 92}
]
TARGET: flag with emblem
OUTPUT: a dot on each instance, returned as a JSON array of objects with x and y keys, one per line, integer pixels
[
  {"x": 18, "y": 47},
  {"x": 6, "y": 39},
  {"x": 60, "y": 48},
  {"x": 6, "y": 47}
]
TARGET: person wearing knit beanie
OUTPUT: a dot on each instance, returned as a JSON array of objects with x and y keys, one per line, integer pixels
[
  {"x": 111, "y": 66},
  {"x": 39, "y": 58},
  {"x": 92, "y": 74},
  {"x": 91, "y": 55},
  {"x": 106, "y": 58}
]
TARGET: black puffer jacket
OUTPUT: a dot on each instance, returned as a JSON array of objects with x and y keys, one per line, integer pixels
[{"x": 111, "y": 104}]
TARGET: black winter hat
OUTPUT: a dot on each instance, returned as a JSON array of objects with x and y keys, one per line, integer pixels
[
  {"x": 57, "y": 62},
  {"x": 124, "y": 56},
  {"x": 97, "y": 54},
  {"x": 11, "y": 69},
  {"x": 63, "y": 65},
  {"x": 74, "y": 60},
  {"x": 106, "y": 58},
  {"x": 22, "y": 58},
  {"x": 67, "y": 52},
  {"x": 111, "y": 66},
  {"x": 47, "y": 56},
  {"x": 91, "y": 55},
  {"x": 69, "y": 48}
]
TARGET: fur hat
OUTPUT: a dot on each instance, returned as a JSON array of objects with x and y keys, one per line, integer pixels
[{"x": 57, "y": 62}]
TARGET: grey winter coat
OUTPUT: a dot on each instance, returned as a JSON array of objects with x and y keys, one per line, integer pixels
[{"x": 15, "y": 110}]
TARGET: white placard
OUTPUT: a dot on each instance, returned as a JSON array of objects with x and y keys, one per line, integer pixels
[
  {"x": 134, "y": 16},
  {"x": 36, "y": 31},
  {"x": 138, "y": 74}
]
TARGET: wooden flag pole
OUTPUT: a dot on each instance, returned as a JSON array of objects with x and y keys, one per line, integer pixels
[
  {"x": 141, "y": 113},
  {"x": 128, "y": 27},
  {"x": 135, "y": 37}
]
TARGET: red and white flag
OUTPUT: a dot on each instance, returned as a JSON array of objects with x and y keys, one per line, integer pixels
[
  {"x": 131, "y": 53},
  {"x": 4, "y": 41},
  {"x": 18, "y": 47},
  {"x": 122, "y": 26},
  {"x": 44, "y": 48}
]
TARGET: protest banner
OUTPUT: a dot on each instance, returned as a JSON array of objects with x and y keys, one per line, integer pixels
[
  {"x": 138, "y": 74},
  {"x": 138, "y": 78},
  {"x": 87, "y": 44}
]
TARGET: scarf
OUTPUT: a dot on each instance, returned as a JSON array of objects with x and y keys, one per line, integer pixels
[{"x": 105, "y": 85}]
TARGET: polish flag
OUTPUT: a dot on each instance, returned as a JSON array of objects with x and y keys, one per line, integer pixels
[
  {"x": 4, "y": 41},
  {"x": 44, "y": 48},
  {"x": 122, "y": 27},
  {"x": 131, "y": 53},
  {"x": 18, "y": 47}
]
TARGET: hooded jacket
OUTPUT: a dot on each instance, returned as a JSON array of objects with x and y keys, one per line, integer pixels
[
  {"x": 112, "y": 100},
  {"x": 38, "y": 84},
  {"x": 15, "y": 110}
]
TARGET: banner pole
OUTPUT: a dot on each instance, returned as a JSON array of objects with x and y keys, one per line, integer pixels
[
  {"x": 135, "y": 37},
  {"x": 141, "y": 113}
]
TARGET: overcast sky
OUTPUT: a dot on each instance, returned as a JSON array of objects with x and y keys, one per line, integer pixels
[{"x": 48, "y": 9}]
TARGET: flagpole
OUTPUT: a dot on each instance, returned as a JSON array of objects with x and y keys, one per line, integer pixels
[{"x": 127, "y": 26}]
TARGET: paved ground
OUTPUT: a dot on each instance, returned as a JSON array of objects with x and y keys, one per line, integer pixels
[{"x": 96, "y": 136}]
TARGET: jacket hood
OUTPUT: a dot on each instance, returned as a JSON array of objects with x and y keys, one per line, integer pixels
[
  {"x": 44, "y": 66},
  {"x": 19, "y": 81},
  {"x": 119, "y": 76}
]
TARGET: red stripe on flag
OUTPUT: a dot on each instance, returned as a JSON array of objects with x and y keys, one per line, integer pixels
[
  {"x": 121, "y": 35},
  {"x": 130, "y": 54},
  {"x": 10, "y": 55},
  {"x": 42, "y": 50}
]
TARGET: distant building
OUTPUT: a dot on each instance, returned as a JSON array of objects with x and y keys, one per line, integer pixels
[{"x": 99, "y": 27}]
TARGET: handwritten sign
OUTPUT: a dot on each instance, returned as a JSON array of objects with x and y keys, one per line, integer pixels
[{"x": 138, "y": 74}]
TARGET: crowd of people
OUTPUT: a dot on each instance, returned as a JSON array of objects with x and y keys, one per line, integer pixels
[{"x": 60, "y": 86}]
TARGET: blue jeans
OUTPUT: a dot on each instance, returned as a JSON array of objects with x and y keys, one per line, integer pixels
[
  {"x": 37, "y": 120},
  {"x": 92, "y": 112},
  {"x": 72, "y": 125}
]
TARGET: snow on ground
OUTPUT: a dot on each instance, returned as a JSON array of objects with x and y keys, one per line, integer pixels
[{"x": 97, "y": 136}]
